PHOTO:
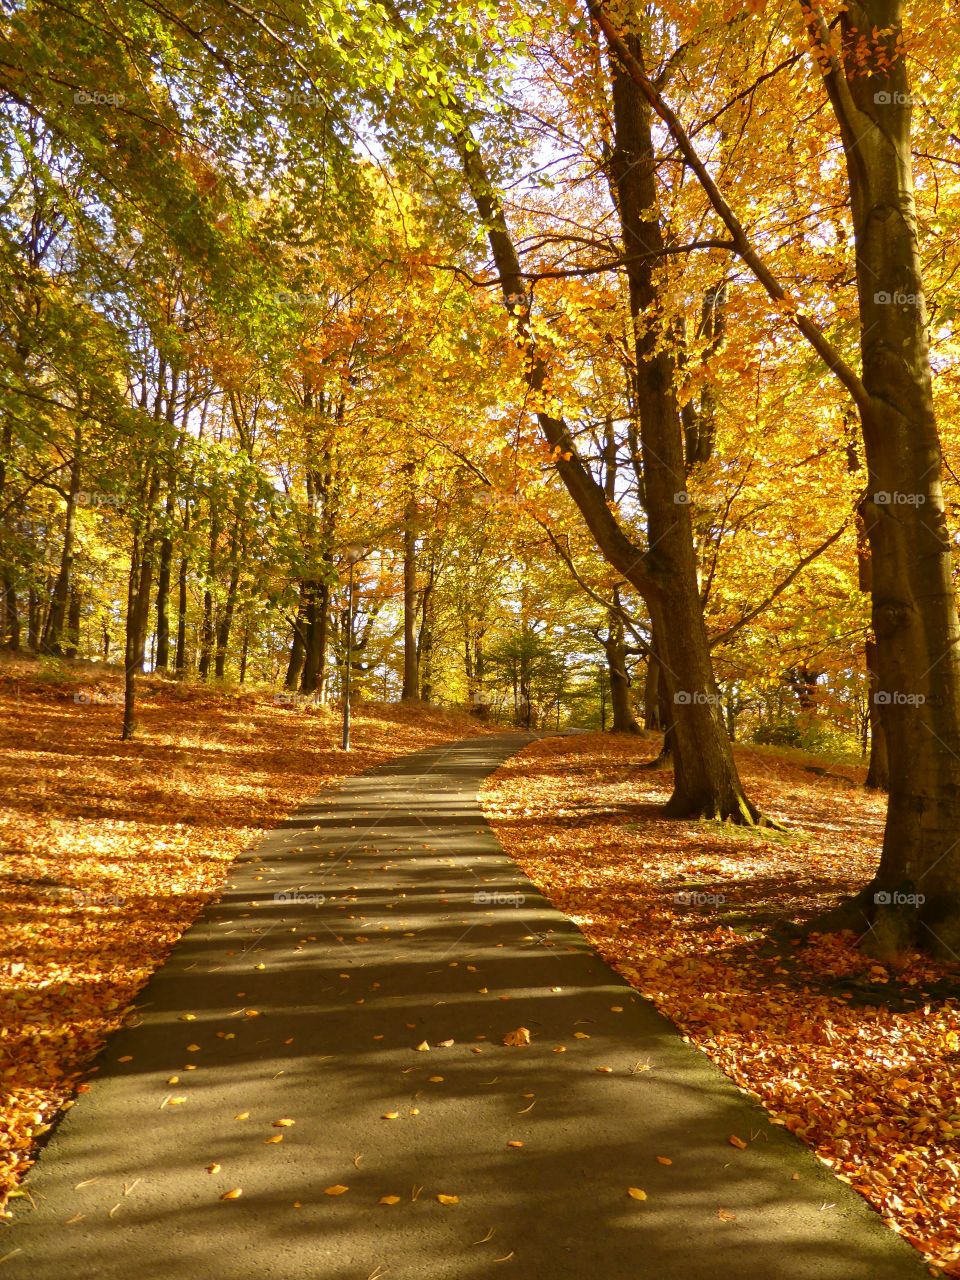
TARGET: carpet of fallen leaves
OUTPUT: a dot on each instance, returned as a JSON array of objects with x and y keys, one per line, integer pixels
[
  {"x": 861, "y": 1061},
  {"x": 108, "y": 850}
]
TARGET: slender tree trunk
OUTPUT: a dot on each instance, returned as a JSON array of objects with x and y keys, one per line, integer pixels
[
  {"x": 164, "y": 573},
  {"x": 425, "y": 639},
  {"x": 624, "y": 721},
  {"x": 52, "y": 639},
  {"x": 11, "y": 616},
  {"x": 72, "y": 640},
  {"x": 295, "y": 661},
  {"x": 208, "y": 637},
  {"x": 652, "y": 718},
  {"x": 411, "y": 674},
  {"x": 226, "y": 623},
  {"x": 180, "y": 660},
  {"x": 132, "y": 650},
  {"x": 33, "y": 620},
  {"x": 244, "y": 650}
]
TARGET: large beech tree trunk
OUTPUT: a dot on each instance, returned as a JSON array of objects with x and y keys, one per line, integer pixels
[
  {"x": 706, "y": 782},
  {"x": 915, "y": 897}
]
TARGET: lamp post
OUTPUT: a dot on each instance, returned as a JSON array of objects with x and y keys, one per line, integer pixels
[{"x": 352, "y": 554}]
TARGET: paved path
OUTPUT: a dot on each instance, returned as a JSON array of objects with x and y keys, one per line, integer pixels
[{"x": 406, "y": 949}]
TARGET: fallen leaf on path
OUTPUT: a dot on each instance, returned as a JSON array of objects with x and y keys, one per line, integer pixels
[
  {"x": 636, "y": 1193},
  {"x": 336, "y": 1190},
  {"x": 233, "y": 1194},
  {"x": 517, "y": 1039},
  {"x": 443, "y": 1199}
]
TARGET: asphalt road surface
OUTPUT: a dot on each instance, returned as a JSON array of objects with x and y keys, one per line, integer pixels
[{"x": 383, "y": 917}]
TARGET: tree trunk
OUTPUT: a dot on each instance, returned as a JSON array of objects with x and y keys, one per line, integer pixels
[
  {"x": 915, "y": 897},
  {"x": 624, "y": 721},
  {"x": 33, "y": 620},
  {"x": 317, "y": 622},
  {"x": 878, "y": 772},
  {"x": 706, "y": 782},
  {"x": 411, "y": 673},
  {"x": 52, "y": 639},
  {"x": 295, "y": 661},
  {"x": 164, "y": 572},
  {"x": 11, "y": 616},
  {"x": 244, "y": 651},
  {"x": 208, "y": 636},
  {"x": 226, "y": 623},
  {"x": 652, "y": 718},
  {"x": 180, "y": 661},
  {"x": 72, "y": 639}
]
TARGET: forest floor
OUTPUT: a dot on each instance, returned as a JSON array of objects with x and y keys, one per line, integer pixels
[
  {"x": 108, "y": 850},
  {"x": 860, "y": 1060}
]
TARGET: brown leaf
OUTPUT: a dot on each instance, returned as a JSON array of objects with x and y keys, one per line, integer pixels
[{"x": 517, "y": 1039}]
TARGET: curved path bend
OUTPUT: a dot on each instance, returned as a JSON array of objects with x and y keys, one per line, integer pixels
[{"x": 383, "y": 916}]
